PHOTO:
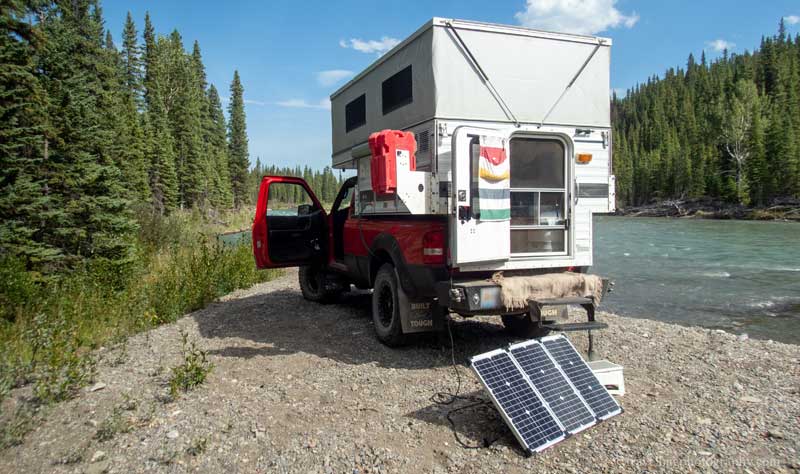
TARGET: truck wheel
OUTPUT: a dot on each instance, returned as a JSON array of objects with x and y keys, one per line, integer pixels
[
  {"x": 385, "y": 307},
  {"x": 312, "y": 284},
  {"x": 522, "y": 326}
]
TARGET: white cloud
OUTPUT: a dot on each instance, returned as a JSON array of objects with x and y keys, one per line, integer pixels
[
  {"x": 304, "y": 104},
  {"x": 254, "y": 102},
  {"x": 720, "y": 45},
  {"x": 792, "y": 19},
  {"x": 333, "y": 76},
  {"x": 370, "y": 46},
  {"x": 575, "y": 16}
]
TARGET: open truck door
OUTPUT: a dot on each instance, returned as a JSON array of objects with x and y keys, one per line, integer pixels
[
  {"x": 480, "y": 221},
  {"x": 289, "y": 228}
]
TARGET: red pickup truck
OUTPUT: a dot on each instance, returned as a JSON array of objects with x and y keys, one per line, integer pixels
[{"x": 403, "y": 258}]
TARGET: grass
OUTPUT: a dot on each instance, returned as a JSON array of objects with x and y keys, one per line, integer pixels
[{"x": 49, "y": 326}]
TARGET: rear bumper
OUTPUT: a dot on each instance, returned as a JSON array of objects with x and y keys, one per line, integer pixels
[
  {"x": 476, "y": 297},
  {"x": 472, "y": 297}
]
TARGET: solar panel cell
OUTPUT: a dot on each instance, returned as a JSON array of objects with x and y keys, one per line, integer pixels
[
  {"x": 552, "y": 384},
  {"x": 532, "y": 423},
  {"x": 572, "y": 364}
]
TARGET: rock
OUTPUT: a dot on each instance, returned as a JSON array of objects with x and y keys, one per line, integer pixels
[
  {"x": 173, "y": 434},
  {"x": 98, "y": 456},
  {"x": 775, "y": 434},
  {"x": 98, "y": 468},
  {"x": 750, "y": 399},
  {"x": 96, "y": 387},
  {"x": 742, "y": 337},
  {"x": 705, "y": 453}
]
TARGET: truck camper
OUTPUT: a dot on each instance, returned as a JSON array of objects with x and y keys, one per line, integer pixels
[{"x": 481, "y": 152}]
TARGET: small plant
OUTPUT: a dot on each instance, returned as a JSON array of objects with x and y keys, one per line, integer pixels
[
  {"x": 197, "y": 447},
  {"x": 193, "y": 371},
  {"x": 59, "y": 364},
  {"x": 14, "y": 429},
  {"x": 114, "y": 424}
]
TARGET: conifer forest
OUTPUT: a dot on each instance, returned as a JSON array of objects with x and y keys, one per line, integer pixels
[{"x": 726, "y": 129}]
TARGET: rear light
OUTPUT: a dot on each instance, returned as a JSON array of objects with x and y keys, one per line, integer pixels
[
  {"x": 583, "y": 158},
  {"x": 433, "y": 248}
]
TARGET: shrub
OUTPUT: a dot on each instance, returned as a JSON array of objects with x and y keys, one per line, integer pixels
[{"x": 192, "y": 371}]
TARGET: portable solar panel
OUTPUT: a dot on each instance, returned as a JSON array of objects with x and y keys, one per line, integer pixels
[
  {"x": 554, "y": 386},
  {"x": 523, "y": 409},
  {"x": 581, "y": 376}
]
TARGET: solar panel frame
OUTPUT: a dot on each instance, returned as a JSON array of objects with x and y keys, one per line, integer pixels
[
  {"x": 507, "y": 417},
  {"x": 578, "y": 407},
  {"x": 602, "y": 411}
]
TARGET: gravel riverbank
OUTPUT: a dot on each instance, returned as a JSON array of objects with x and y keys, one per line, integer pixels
[{"x": 301, "y": 387}]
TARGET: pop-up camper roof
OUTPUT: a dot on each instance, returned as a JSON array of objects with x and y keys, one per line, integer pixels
[{"x": 438, "y": 73}]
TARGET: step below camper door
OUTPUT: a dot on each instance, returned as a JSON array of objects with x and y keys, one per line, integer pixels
[{"x": 480, "y": 219}]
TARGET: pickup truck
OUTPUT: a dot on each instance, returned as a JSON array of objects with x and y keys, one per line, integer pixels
[{"x": 402, "y": 258}]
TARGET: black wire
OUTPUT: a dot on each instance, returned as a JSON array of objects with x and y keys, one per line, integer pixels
[{"x": 448, "y": 398}]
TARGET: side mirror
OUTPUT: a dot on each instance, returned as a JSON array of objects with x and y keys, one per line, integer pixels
[{"x": 304, "y": 209}]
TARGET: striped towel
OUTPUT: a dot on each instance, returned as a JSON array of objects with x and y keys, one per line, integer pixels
[{"x": 494, "y": 192}]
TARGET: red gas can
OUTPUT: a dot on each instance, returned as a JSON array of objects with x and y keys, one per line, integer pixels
[{"x": 387, "y": 147}]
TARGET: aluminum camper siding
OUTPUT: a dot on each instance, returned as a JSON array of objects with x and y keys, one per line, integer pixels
[
  {"x": 415, "y": 51},
  {"x": 529, "y": 68}
]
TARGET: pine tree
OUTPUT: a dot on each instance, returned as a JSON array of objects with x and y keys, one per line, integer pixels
[
  {"x": 237, "y": 143},
  {"x": 87, "y": 214},
  {"x": 218, "y": 149},
  {"x": 132, "y": 61},
  {"x": 24, "y": 139}
]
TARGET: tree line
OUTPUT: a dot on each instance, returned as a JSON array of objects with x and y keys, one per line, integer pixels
[
  {"x": 92, "y": 131},
  {"x": 325, "y": 183},
  {"x": 727, "y": 129}
]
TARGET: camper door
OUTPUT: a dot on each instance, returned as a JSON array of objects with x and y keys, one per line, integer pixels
[
  {"x": 481, "y": 218},
  {"x": 512, "y": 197}
]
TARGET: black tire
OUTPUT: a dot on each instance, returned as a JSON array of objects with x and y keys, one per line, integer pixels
[
  {"x": 522, "y": 326},
  {"x": 312, "y": 284},
  {"x": 386, "y": 308}
]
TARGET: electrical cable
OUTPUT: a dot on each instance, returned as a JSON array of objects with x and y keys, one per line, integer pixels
[{"x": 448, "y": 398}]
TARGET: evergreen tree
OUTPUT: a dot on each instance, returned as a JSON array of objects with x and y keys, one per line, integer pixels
[
  {"x": 24, "y": 138},
  {"x": 237, "y": 143},
  {"x": 87, "y": 214},
  {"x": 132, "y": 61},
  {"x": 218, "y": 149}
]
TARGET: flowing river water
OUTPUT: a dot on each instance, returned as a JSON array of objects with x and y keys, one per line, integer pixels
[{"x": 740, "y": 276}]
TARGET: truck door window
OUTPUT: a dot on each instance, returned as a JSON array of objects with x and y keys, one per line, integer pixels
[
  {"x": 289, "y": 199},
  {"x": 538, "y": 196}
]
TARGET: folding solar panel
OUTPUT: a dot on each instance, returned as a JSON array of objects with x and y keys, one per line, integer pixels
[
  {"x": 523, "y": 409},
  {"x": 562, "y": 397},
  {"x": 581, "y": 376}
]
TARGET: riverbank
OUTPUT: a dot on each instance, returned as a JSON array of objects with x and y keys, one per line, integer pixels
[
  {"x": 706, "y": 208},
  {"x": 303, "y": 387}
]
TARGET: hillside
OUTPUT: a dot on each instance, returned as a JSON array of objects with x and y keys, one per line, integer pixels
[{"x": 725, "y": 129}]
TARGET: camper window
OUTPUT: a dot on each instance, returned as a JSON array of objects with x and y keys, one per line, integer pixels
[
  {"x": 396, "y": 91},
  {"x": 538, "y": 196},
  {"x": 355, "y": 113}
]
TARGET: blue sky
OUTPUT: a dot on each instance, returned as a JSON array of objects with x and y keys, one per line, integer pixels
[{"x": 292, "y": 55}]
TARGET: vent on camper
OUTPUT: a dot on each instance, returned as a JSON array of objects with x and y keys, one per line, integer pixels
[{"x": 423, "y": 141}]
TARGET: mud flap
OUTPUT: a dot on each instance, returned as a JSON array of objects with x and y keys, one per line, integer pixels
[{"x": 419, "y": 315}]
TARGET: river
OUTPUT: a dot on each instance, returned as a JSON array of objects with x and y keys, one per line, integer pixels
[{"x": 740, "y": 276}]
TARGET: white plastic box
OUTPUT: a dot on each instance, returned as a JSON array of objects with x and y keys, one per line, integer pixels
[{"x": 610, "y": 375}]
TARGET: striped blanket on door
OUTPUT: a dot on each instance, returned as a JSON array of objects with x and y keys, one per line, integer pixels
[{"x": 494, "y": 193}]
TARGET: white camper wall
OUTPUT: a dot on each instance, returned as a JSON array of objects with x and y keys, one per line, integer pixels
[
  {"x": 414, "y": 51},
  {"x": 529, "y": 69}
]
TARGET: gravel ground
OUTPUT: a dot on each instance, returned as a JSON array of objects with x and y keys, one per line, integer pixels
[{"x": 302, "y": 387}]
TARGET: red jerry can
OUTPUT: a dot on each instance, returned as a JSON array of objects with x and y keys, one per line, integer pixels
[{"x": 386, "y": 147}]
